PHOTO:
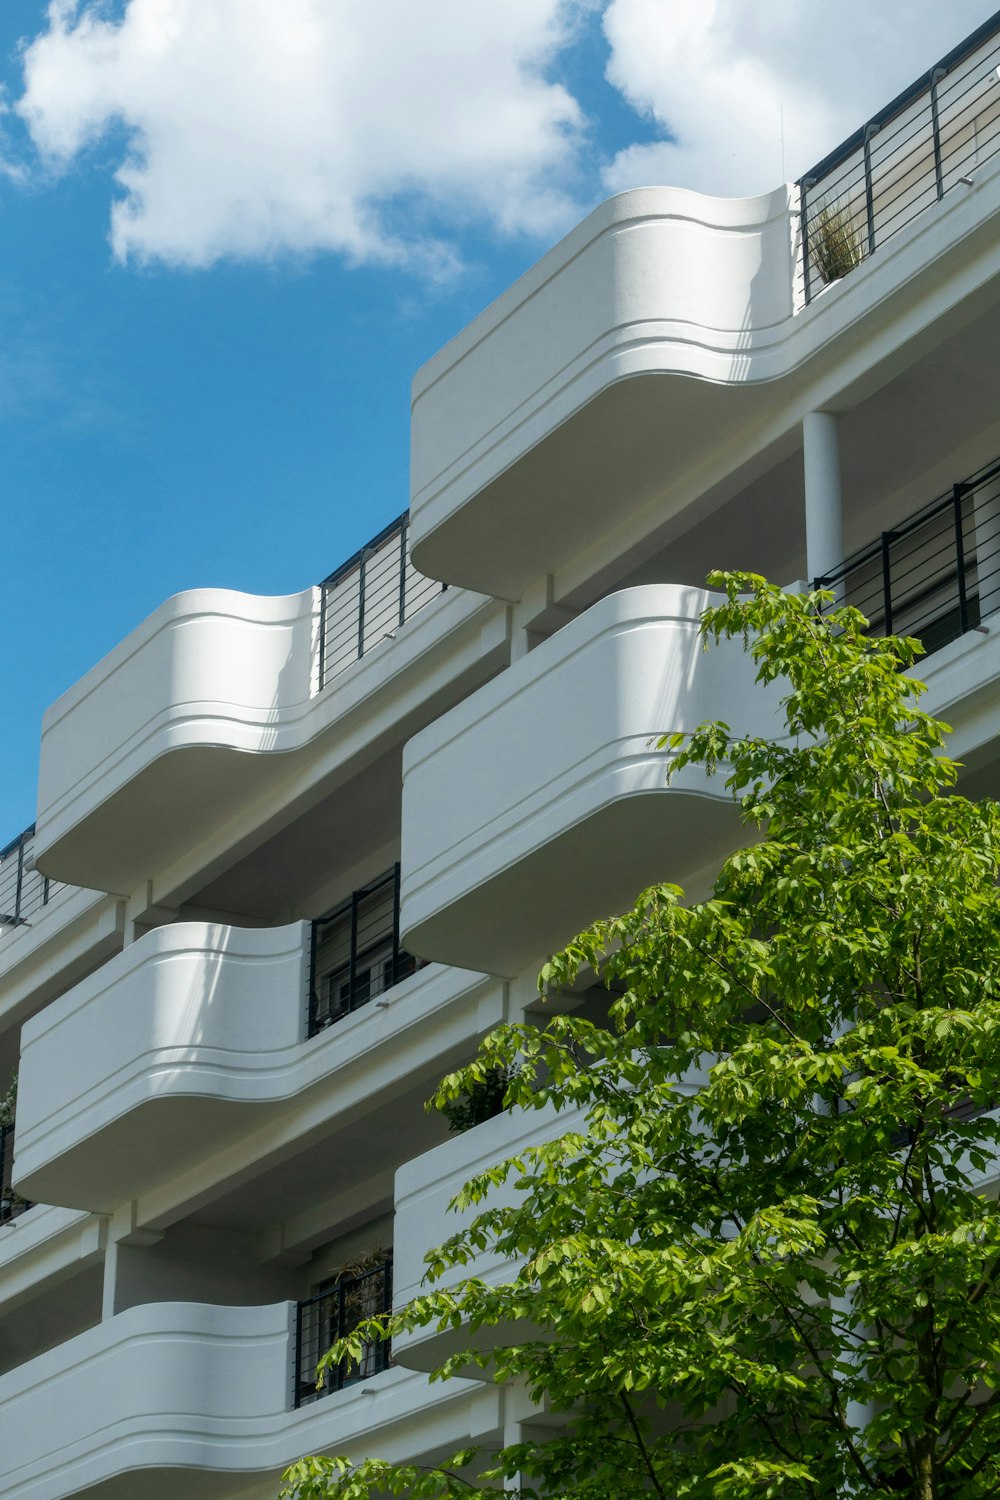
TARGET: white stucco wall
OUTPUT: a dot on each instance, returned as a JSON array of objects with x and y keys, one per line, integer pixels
[{"x": 541, "y": 803}]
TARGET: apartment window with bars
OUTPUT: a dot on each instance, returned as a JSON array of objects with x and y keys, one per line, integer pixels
[
  {"x": 356, "y": 954},
  {"x": 336, "y": 1310}
]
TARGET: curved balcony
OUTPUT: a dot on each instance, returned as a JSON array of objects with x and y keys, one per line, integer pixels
[
  {"x": 541, "y": 804},
  {"x": 660, "y": 354},
  {"x": 193, "y": 1037},
  {"x": 212, "y": 705},
  {"x": 425, "y": 1188},
  {"x": 424, "y": 1191},
  {"x": 188, "y": 1398}
]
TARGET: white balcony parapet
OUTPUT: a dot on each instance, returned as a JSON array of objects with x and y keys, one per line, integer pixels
[
  {"x": 188, "y": 1397},
  {"x": 195, "y": 714},
  {"x": 189, "y": 1038},
  {"x": 542, "y": 803},
  {"x": 425, "y": 1188},
  {"x": 599, "y": 391},
  {"x": 43, "y": 1245}
]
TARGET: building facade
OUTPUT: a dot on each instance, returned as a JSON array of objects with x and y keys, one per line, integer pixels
[{"x": 294, "y": 857}]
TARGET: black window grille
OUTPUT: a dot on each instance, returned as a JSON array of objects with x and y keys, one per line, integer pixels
[
  {"x": 368, "y": 597},
  {"x": 935, "y": 576},
  {"x": 333, "y": 1313},
  {"x": 356, "y": 954},
  {"x": 11, "y": 1204},
  {"x": 925, "y": 143},
  {"x": 23, "y": 889}
]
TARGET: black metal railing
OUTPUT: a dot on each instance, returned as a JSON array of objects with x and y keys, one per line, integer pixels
[
  {"x": 935, "y": 576},
  {"x": 11, "y": 1203},
  {"x": 23, "y": 890},
  {"x": 368, "y": 597},
  {"x": 928, "y": 140},
  {"x": 332, "y": 1314},
  {"x": 356, "y": 954}
]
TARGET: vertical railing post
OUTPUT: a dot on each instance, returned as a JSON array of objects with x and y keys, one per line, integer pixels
[
  {"x": 958, "y": 493},
  {"x": 395, "y": 924},
  {"x": 323, "y": 596},
  {"x": 804, "y": 185},
  {"x": 20, "y": 880},
  {"x": 298, "y": 1354},
  {"x": 402, "y": 569},
  {"x": 312, "y": 997},
  {"x": 354, "y": 950},
  {"x": 361, "y": 605},
  {"x": 937, "y": 74},
  {"x": 887, "y": 581},
  {"x": 870, "y": 130},
  {"x": 341, "y": 1326}
]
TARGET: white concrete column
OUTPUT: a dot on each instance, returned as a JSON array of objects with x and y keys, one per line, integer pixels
[{"x": 824, "y": 499}]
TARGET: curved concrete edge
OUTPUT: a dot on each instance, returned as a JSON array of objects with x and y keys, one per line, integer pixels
[
  {"x": 661, "y": 283},
  {"x": 192, "y": 1012},
  {"x": 192, "y": 1008},
  {"x": 562, "y": 740},
  {"x": 425, "y": 1190},
  {"x": 46, "y": 1244},
  {"x": 78, "y": 930},
  {"x": 213, "y": 670},
  {"x": 175, "y": 1387},
  {"x": 208, "y": 667},
  {"x": 673, "y": 280}
]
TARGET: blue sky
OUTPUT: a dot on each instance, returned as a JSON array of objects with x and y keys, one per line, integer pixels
[{"x": 209, "y": 385}]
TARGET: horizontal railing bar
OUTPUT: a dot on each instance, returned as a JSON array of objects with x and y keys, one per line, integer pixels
[
  {"x": 393, "y": 528},
  {"x": 913, "y": 91}
]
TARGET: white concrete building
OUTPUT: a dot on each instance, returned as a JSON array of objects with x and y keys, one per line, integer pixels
[{"x": 294, "y": 857}]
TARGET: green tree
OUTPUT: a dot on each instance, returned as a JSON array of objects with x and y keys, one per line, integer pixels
[{"x": 767, "y": 1267}]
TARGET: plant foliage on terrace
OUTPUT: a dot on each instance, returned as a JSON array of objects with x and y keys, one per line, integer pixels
[
  {"x": 767, "y": 1267},
  {"x": 836, "y": 241}
]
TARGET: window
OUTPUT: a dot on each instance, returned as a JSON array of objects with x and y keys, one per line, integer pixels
[{"x": 356, "y": 954}]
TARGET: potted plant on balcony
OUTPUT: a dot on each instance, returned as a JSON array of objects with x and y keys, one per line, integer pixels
[
  {"x": 479, "y": 1100},
  {"x": 835, "y": 239}
]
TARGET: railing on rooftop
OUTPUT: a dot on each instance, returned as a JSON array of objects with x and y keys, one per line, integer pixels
[
  {"x": 11, "y": 1204},
  {"x": 935, "y": 576},
  {"x": 23, "y": 889},
  {"x": 335, "y": 1312},
  {"x": 368, "y": 597},
  {"x": 356, "y": 954},
  {"x": 930, "y": 139}
]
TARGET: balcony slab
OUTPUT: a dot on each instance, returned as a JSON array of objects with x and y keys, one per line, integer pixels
[
  {"x": 542, "y": 804},
  {"x": 191, "y": 1041},
  {"x": 188, "y": 1401}
]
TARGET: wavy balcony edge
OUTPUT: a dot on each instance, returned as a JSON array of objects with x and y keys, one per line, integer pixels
[
  {"x": 558, "y": 807},
  {"x": 656, "y": 285},
  {"x": 194, "y": 706},
  {"x": 193, "y": 1032},
  {"x": 171, "y": 1388}
]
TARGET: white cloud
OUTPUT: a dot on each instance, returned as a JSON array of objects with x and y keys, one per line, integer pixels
[
  {"x": 382, "y": 129},
  {"x": 717, "y": 74},
  {"x": 261, "y": 127}
]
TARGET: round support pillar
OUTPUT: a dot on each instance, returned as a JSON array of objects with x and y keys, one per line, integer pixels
[{"x": 823, "y": 496}]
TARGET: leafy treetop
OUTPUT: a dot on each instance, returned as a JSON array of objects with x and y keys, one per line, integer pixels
[{"x": 763, "y": 1265}]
